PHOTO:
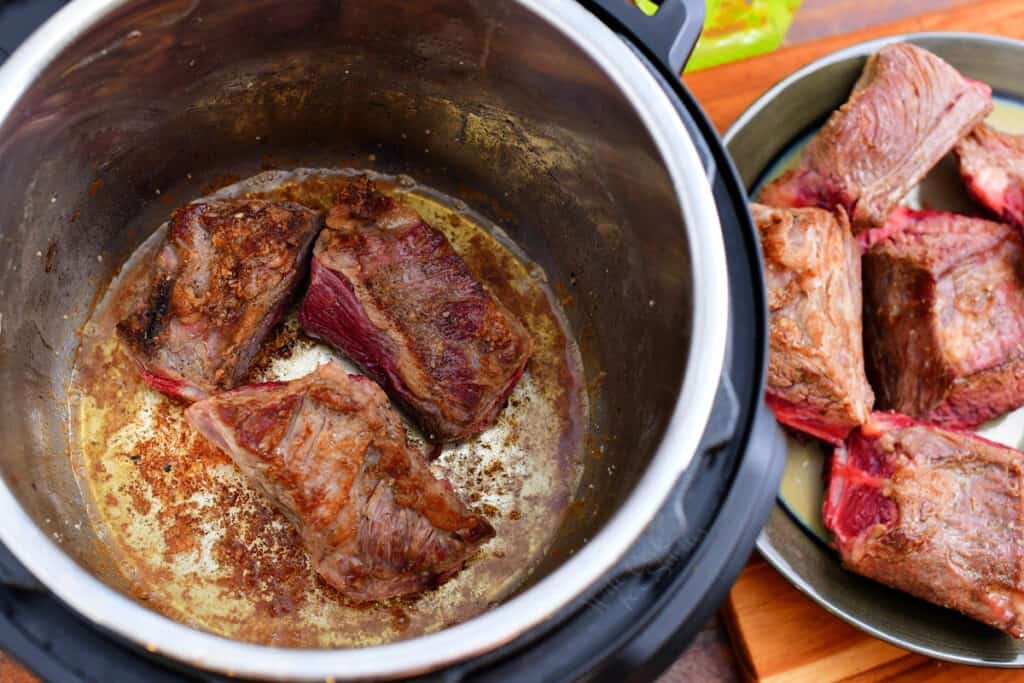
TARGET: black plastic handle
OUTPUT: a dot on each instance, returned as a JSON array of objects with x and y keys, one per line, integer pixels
[{"x": 669, "y": 36}]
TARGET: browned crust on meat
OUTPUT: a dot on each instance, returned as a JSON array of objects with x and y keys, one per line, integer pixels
[
  {"x": 907, "y": 110},
  {"x": 223, "y": 270},
  {"x": 419, "y": 331},
  {"x": 944, "y": 337},
  {"x": 330, "y": 452},
  {"x": 813, "y": 271},
  {"x": 955, "y": 541},
  {"x": 247, "y": 236},
  {"x": 141, "y": 331}
]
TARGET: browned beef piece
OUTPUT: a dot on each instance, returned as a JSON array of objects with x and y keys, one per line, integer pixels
[
  {"x": 905, "y": 113},
  {"x": 992, "y": 165},
  {"x": 389, "y": 291},
  {"x": 933, "y": 512},
  {"x": 330, "y": 453},
  {"x": 944, "y": 318},
  {"x": 222, "y": 280},
  {"x": 816, "y": 379}
]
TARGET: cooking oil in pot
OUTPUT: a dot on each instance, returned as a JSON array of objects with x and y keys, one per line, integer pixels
[{"x": 199, "y": 544}]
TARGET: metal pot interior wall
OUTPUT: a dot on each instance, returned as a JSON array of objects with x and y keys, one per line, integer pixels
[{"x": 481, "y": 100}]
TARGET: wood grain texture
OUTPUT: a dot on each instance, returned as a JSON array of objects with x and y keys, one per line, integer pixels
[
  {"x": 725, "y": 91},
  {"x": 780, "y": 635},
  {"x": 12, "y": 672}
]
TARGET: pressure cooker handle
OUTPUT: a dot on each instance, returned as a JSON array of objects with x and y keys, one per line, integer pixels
[{"x": 669, "y": 35}]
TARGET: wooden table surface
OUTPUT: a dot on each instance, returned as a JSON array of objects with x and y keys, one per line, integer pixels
[{"x": 710, "y": 658}]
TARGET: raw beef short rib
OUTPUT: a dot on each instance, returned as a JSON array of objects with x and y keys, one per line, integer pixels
[
  {"x": 932, "y": 512},
  {"x": 992, "y": 165},
  {"x": 905, "y": 113},
  {"x": 944, "y": 318},
  {"x": 816, "y": 380},
  {"x": 331, "y": 454},
  {"x": 389, "y": 291},
  {"x": 222, "y": 280}
]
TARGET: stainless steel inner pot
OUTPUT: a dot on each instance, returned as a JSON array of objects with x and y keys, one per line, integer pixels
[{"x": 532, "y": 111}]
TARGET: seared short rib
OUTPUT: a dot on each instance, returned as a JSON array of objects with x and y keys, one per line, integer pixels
[
  {"x": 389, "y": 291},
  {"x": 908, "y": 110},
  {"x": 935, "y": 513},
  {"x": 222, "y": 280},
  {"x": 992, "y": 165},
  {"x": 944, "y": 318},
  {"x": 816, "y": 380},
  {"x": 330, "y": 452}
]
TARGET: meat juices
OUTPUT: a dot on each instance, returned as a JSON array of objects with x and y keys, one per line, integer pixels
[
  {"x": 330, "y": 452},
  {"x": 905, "y": 113},
  {"x": 992, "y": 166},
  {"x": 389, "y": 291},
  {"x": 932, "y": 512},
  {"x": 944, "y": 318},
  {"x": 816, "y": 380},
  {"x": 222, "y": 280}
]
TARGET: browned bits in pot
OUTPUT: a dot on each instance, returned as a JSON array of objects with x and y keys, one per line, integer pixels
[
  {"x": 203, "y": 546},
  {"x": 51, "y": 254}
]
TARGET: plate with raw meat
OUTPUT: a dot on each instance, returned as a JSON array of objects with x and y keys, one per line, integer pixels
[{"x": 887, "y": 184}]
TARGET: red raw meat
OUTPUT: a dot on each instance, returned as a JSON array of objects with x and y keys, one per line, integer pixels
[
  {"x": 933, "y": 512},
  {"x": 900, "y": 218},
  {"x": 992, "y": 165},
  {"x": 944, "y": 318},
  {"x": 908, "y": 110}
]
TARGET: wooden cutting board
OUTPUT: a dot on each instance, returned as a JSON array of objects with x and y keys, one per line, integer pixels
[{"x": 779, "y": 634}]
